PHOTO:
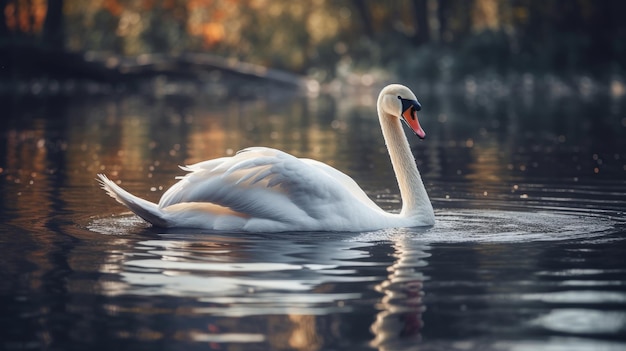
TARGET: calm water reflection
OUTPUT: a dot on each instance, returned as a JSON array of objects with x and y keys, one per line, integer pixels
[{"x": 527, "y": 253}]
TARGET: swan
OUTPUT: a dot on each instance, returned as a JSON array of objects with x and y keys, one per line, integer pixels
[{"x": 266, "y": 190}]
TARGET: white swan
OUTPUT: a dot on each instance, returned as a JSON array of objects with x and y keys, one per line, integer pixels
[{"x": 266, "y": 190}]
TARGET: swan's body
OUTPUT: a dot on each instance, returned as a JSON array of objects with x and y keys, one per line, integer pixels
[{"x": 266, "y": 190}]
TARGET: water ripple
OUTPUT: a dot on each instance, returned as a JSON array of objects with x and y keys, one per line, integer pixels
[{"x": 477, "y": 225}]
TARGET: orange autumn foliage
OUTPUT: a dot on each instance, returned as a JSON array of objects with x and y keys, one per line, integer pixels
[
  {"x": 213, "y": 33},
  {"x": 26, "y": 16},
  {"x": 113, "y": 6}
]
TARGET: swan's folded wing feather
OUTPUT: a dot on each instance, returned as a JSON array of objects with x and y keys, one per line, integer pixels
[
  {"x": 259, "y": 182},
  {"x": 348, "y": 183}
]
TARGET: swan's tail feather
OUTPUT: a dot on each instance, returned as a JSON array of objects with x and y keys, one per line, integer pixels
[{"x": 147, "y": 210}]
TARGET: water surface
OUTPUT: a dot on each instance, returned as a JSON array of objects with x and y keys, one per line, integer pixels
[{"x": 527, "y": 252}]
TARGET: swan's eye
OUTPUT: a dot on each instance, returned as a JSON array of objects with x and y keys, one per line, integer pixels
[{"x": 410, "y": 106}]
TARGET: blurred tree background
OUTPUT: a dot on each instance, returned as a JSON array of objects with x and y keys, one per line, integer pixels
[{"x": 327, "y": 39}]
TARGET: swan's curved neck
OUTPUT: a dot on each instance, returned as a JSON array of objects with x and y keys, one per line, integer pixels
[{"x": 415, "y": 200}]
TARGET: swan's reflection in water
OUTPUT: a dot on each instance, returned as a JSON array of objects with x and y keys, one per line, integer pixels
[
  {"x": 284, "y": 291},
  {"x": 400, "y": 318}
]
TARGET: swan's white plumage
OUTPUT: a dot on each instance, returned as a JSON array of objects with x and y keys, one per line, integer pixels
[{"x": 267, "y": 190}]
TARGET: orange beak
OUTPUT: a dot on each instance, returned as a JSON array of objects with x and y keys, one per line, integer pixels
[{"x": 410, "y": 118}]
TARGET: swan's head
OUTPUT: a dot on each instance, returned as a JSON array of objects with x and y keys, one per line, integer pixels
[{"x": 399, "y": 101}]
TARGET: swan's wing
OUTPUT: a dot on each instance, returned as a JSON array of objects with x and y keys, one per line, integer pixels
[
  {"x": 348, "y": 183},
  {"x": 263, "y": 182}
]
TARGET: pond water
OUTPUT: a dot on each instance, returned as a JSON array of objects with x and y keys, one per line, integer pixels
[{"x": 528, "y": 252}]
